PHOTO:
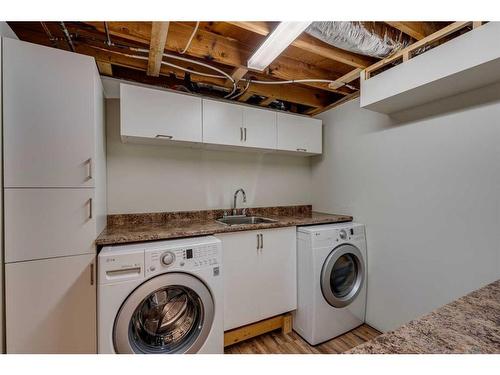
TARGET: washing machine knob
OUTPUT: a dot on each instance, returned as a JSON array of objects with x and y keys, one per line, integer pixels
[
  {"x": 343, "y": 234},
  {"x": 168, "y": 258}
]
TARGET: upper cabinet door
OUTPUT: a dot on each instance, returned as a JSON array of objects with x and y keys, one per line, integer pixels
[
  {"x": 299, "y": 133},
  {"x": 222, "y": 123},
  {"x": 48, "y": 116},
  {"x": 259, "y": 127},
  {"x": 158, "y": 114}
]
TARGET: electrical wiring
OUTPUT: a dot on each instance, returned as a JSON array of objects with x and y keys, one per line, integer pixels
[{"x": 190, "y": 38}]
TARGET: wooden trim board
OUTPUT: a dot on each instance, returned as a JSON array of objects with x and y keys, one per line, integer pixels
[{"x": 255, "y": 329}]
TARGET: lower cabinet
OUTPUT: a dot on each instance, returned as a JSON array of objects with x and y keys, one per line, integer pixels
[
  {"x": 260, "y": 279},
  {"x": 51, "y": 305}
]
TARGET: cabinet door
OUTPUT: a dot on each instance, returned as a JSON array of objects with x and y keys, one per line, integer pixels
[
  {"x": 241, "y": 279},
  {"x": 299, "y": 133},
  {"x": 222, "y": 123},
  {"x": 259, "y": 128},
  {"x": 48, "y": 116},
  {"x": 51, "y": 306},
  {"x": 158, "y": 114},
  {"x": 278, "y": 272},
  {"x": 44, "y": 223}
]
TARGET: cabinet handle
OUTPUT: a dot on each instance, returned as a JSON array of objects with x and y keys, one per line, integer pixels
[
  {"x": 245, "y": 133},
  {"x": 164, "y": 136},
  {"x": 241, "y": 134},
  {"x": 261, "y": 241},
  {"x": 89, "y": 162},
  {"x": 91, "y": 273},
  {"x": 91, "y": 214},
  {"x": 302, "y": 149},
  {"x": 258, "y": 242}
]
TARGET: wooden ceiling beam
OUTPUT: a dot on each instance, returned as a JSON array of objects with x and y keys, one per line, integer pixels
[
  {"x": 267, "y": 101},
  {"x": 217, "y": 48},
  {"x": 346, "y": 78},
  {"x": 238, "y": 73},
  {"x": 313, "y": 45},
  {"x": 104, "y": 68},
  {"x": 159, "y": 31},
  {"x": 417, "y": 30}
]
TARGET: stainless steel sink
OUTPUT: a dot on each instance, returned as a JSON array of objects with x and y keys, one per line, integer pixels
[{"x": 239, "y": 220}]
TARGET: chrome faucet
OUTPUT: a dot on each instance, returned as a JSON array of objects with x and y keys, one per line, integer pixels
[{"x": 236, "y": 196}]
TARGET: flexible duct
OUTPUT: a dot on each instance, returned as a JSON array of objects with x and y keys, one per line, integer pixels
[{"x": 365, "y": 38}]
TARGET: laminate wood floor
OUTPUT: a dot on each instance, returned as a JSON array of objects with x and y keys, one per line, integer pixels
[{"x": 277, "y": 342}]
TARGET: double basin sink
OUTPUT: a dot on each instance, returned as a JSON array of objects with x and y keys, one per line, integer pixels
[{"x": 240, "y": 220}]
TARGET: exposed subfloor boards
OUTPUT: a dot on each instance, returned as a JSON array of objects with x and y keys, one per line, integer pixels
[{"x": 278, "y": 343}]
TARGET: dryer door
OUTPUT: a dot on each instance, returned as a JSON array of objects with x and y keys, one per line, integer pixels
[
  {"x": 170, "y": 313},
  {"x": 342, "y": 275}
]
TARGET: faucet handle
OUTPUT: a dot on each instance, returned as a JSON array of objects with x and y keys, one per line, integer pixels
[{"x": 244, "y": 211}]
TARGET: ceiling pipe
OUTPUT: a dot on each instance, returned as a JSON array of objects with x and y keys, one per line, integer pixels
[
  {"x": 49, "y": 34},
  {"x": 67, "y": 36},
  {"x": 109, "y": 43}
]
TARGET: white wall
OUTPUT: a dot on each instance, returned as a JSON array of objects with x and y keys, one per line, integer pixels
[
  {"x": 145, "y": 178},
  {"x": 6, "y": 31},
  {"x": 426, "y": 183}
]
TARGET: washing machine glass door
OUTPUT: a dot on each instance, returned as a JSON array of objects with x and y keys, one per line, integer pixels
[
  {"x": 342, "y": 275},
  {"x": 170, "y": 313}
]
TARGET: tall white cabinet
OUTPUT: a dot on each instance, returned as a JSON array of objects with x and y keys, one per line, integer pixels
[{"x": 54, "y": 195}]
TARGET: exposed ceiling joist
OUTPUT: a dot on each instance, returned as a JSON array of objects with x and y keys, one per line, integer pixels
[
  {"x": 104, "y": 68},
  {"x": 159, "y": 31},
  {"x": 310, "y": 44},
  {"x": 346, "y": 78},
  {"x": 247, "y": 95},
  {"x": 267, "y": 101},
  {"x": 413, "y": 29},
  {"x": 238, "y": 73}
]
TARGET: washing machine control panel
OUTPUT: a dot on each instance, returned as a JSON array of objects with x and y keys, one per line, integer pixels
[{"x": 188, "y": 258}]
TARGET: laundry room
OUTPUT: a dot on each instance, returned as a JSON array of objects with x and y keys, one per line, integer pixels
[{"x": 245, "y": 185}]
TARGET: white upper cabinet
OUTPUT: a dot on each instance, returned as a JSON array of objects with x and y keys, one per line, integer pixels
[
  {"x": 222, "y": 123},
  {"x": 159, "y": 115},
  {"x": 237, "y": 125},
  {"x": 48, "y": 114},
  {"x": 259, "y": 127},
  {"x": 163, "y": 117},
  {"x": 299, "y": 134}
]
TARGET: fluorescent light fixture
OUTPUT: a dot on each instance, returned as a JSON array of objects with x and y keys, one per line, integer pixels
[{"x": 276, "y": 42}]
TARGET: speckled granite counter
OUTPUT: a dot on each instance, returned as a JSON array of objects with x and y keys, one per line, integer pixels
[
  {"x": 470, "y": 324},
  {"x": 156, "y": 226}
]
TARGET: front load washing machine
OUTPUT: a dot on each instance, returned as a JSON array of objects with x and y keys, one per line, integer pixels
[
  {"x": 163, "y": 297},
  {"x": 331, "y": 277}
]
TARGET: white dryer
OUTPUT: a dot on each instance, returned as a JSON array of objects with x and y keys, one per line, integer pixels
[
  {"x": 162, "y": 297},
  {"x": 331, "y": 276}
]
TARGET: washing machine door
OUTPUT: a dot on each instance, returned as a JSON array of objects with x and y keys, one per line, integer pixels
[
  {"x": 168, "y": 314},
  {"x": 342, "y": 275}
]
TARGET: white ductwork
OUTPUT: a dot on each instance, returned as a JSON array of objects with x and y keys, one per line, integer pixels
[{"x": 366, "y": 38}]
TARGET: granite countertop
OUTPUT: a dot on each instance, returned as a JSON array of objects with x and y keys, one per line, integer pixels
[
  {"x": 157, "y": 226},
  {"x": 470, "y": 324}
]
